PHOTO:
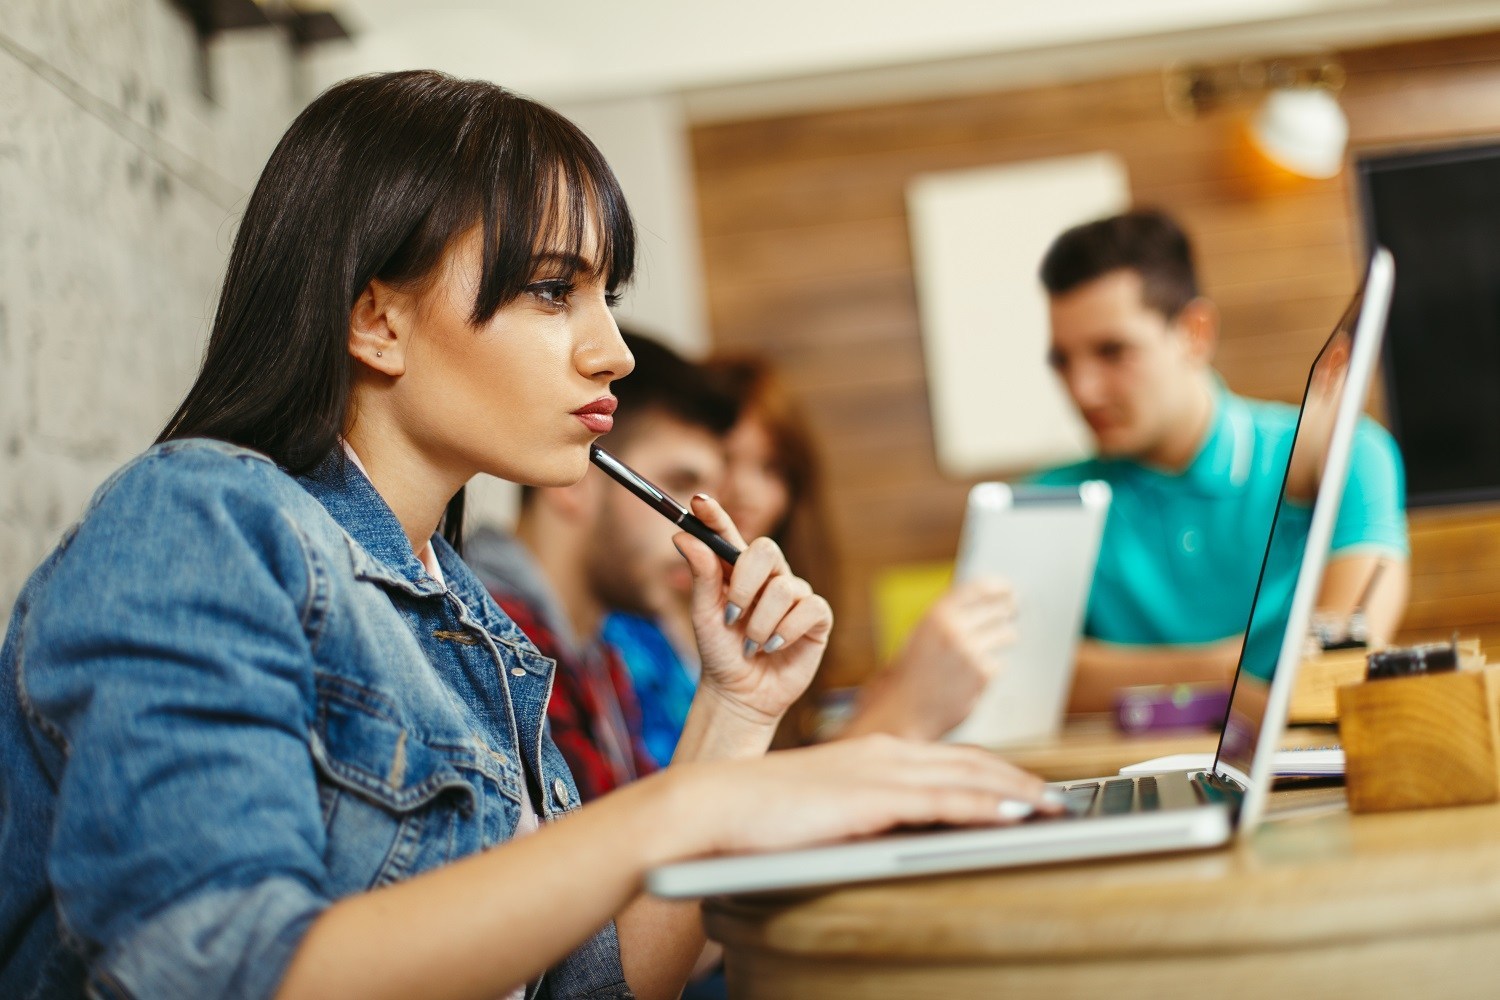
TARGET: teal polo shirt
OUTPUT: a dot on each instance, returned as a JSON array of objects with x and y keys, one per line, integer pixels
[{"x": 1181, "y": 552}]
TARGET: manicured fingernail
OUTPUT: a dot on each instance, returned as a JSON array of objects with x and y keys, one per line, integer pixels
[
  {"x": 701, "y": 496},
  {"x": 751, "y": 646},
  {"x": 1054, "y": 797},
  {"x": 731, "y": 613},
  {"x": 774, "y": 643},
  {"x": 1015, "y": 809},
  {"x": 679, "y": 550}
]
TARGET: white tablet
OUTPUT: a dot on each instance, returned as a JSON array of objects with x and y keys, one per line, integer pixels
[{"x": 1045, "y": 541}]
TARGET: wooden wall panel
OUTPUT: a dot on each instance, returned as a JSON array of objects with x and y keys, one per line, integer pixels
[{"x": 807, "y": 260}]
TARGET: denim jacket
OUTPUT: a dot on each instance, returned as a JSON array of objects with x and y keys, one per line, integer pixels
[{"x": 231, "y": 697}]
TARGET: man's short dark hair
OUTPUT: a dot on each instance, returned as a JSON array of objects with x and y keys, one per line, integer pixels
[
  {"x": 1146, "y": 241},
  {"x": 665, "y": 383}
]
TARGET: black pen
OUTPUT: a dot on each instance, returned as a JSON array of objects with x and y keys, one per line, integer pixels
[{"x": 664, "y": 504}]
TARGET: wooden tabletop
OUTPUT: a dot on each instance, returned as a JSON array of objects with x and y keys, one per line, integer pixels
[{"x": 1317, "y": 903}]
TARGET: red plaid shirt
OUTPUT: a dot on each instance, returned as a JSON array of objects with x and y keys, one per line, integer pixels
[{"x": 593, "y": 715}]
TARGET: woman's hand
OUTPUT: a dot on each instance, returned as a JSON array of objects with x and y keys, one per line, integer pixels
[
  {"x": 850, "y": 788},
  {"x": 762, "y": 632},
  {"x": 953, "y": 653}
]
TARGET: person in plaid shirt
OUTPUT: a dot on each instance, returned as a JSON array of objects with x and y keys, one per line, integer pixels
[
  {"x": 592, "y": 712},
  {"x": 583, "y": 551}
]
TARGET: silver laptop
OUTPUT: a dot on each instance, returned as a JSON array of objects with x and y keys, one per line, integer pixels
[{"x": 1172, "y": 811}]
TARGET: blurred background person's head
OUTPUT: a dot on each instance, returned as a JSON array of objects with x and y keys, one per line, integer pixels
[
  {"x": 1131, "y": 337},
  {"x": 771, "y": 482}
]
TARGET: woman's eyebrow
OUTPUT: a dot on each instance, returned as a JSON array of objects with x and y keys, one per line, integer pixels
[{"x": 570, "y": 263}]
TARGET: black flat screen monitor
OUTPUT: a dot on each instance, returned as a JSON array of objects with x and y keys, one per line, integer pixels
[{"x": 1439, "y": 213}]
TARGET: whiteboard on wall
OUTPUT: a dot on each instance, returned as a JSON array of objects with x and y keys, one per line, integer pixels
[{"x": 978, "y": 237}]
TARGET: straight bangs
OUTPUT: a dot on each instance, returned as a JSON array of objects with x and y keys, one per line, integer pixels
[{"x": 553, "y": 204}]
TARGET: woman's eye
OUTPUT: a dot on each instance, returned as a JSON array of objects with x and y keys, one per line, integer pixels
[
  {"x": 612, "y": 299},
  {"x": 553, "y": 293}
]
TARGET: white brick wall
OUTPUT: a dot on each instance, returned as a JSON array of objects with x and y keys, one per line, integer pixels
[{"x": 120, "y": 184}]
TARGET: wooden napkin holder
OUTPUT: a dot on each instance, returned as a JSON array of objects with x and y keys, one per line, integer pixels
[{"x": 1421, "y": 741}]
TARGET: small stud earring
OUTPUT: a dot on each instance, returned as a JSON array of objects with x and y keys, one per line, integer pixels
[{"x": 379, "y": 355}]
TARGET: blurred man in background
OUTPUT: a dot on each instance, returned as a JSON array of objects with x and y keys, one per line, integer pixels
[{"x": 1196, "y": 470}]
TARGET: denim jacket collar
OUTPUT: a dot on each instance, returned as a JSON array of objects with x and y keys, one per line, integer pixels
[
  {"x": 382, "y": 552},
  {"x": 465, "y": 586}
]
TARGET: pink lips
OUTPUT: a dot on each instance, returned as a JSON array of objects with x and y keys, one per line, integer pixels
[{"x": 598, "y": 416}]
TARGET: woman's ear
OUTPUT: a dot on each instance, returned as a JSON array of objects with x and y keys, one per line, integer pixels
[{"x": 379, "y": 329}]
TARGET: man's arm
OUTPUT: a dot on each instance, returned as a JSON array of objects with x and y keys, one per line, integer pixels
[
  {"x": 1370, "y": 532},
  {"x": 1347, "y": 578},
  {"x": 1105, "y": 667},
  {"x": 1102, "y": 668}
]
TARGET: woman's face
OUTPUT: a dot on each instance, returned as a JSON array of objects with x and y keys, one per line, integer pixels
[
  {"x": 755, "y": 489},
  {"x": 524, "y": 394}
]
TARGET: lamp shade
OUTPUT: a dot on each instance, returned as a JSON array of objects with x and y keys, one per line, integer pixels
[{"x": 1302, "y": 129}]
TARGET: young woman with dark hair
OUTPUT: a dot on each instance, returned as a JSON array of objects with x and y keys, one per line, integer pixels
[{"x": 267, "y": 735}]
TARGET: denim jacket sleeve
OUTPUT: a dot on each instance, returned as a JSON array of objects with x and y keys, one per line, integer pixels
[{"x": 167, "y": 678}]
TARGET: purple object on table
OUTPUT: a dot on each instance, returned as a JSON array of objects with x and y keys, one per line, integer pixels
[{"x": 1171, "y": 706}]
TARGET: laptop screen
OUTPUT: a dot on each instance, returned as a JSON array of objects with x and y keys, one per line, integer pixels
[{"x": 1289, "y": 554}]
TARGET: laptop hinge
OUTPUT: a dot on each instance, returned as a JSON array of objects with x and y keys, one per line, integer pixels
[{"x": 1215, "y": 789}]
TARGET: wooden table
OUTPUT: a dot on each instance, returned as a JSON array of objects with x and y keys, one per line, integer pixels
[{"x": 1318, "y": 903}]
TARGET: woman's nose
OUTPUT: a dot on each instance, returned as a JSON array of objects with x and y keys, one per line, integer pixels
[{"x": 602, "y": 354}]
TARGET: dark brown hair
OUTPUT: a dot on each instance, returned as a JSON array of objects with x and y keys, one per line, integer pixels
[
  {"x": 374, "y": 179},
  {"x": 1146, "y": 241},
  {"x": 664, "y": 382}
]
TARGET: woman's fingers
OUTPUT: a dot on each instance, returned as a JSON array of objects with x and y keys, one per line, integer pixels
[
  {"x": 926, "y": 783},
  {"x": 984, "y": 590},
  {"x": 758, "y": 563},
  {"x": 866, "y": 785},
  {"x": 960, "y": 763},
  {"x": 949, "y": 766},
  {"x": 1004, "y": 781},
  {"x": 810, "y": 618},
  {"x": 763, "y": 621},
  {"x": 708, "y": 572},
  {"x": 984, "y": 598},
  {"x": 708, "y": 510},
  {"x": 761, "y": 588}
]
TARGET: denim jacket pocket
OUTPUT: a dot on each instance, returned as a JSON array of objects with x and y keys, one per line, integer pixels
[{"x": 393, "y": 805}]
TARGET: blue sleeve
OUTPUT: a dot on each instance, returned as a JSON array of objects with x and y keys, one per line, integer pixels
[
  {"x": 167, "y": 666},
  {"x": 662, "y": 687},
  {"x": 1372, "y": 514}
]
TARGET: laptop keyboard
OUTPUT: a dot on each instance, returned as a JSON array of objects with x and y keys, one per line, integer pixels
[
  {"x": 1113, "y": 797},
  {"x": 1150, "y": 798}
]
